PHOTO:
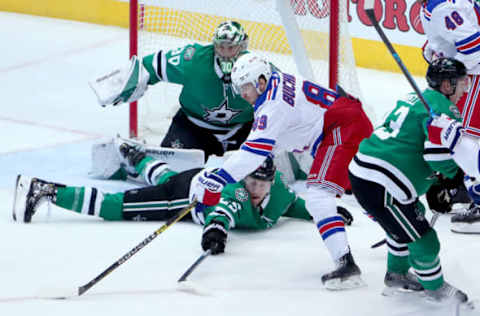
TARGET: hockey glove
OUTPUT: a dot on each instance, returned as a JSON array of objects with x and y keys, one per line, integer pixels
[
  {"x": 444, "y": 131},
  {"x": 207, "y": 187},
  {"x": 429, "y": 54},
  {"x": 439, "y": 199},
  {"x": 127, "y": 84},
  {"x": 214, "y": 237},
  {"x": 347, "y": 217},
  {"x": 473, "y": 188}
]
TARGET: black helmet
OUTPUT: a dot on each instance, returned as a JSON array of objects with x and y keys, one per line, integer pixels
[
  {"x": 266, "y": 171},
  {"x": 445, "y": 68}
]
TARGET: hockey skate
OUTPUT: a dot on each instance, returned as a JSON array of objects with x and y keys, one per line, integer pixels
[
  {"x": 446, "y": 294},
  {"x": 399, "y": 284},
  {"x": 131, "y": 153},
  {"x": 29, "y": 194},
  {"x": 346, "y": 276},
  {"x": 467, "y": 221}
]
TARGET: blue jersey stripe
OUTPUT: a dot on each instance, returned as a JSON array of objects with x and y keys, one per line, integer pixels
[
  {"x": 263, "y": 140},
  {"x": 225, "y": 176},
  {"x": 255, "y": 151},
  {"x": 470, "y": 51},
  {"x": 471, "y": 38}
]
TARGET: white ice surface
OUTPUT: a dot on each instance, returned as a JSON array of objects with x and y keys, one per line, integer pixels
[{"x": 49, "y": 119}]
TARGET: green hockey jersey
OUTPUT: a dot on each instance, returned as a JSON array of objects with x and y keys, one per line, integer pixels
[
  {"x": 235, "y": 208},
  {"x": 398, "y": 154},
  {"x": 204, "y": 96}
]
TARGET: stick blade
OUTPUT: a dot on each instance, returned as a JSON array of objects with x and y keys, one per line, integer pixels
[
  {"x": 193, "y": 288},
  {"x": 56, "y": 293}
]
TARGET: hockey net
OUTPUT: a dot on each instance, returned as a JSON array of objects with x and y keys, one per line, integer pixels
[{"x": 306, "y": 37}]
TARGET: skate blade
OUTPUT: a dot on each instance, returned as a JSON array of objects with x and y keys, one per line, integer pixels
[
  {"x": 338, "y": 284},
  {"x": 400, "y": 292},
  {"x": 20, "y": 198},
  {"x": 466, "y": 228},
  {"x": 468, "y": 305},
  {"x": 14, "y": 215}
]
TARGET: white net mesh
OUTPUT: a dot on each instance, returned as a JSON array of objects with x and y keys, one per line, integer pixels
[{"x": 169, "y": 24}]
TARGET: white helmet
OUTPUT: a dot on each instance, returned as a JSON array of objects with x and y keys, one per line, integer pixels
[{"x": 248, "y": 69}]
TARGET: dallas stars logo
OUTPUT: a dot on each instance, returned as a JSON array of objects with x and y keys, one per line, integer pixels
[{"x": 222, "y": 113}]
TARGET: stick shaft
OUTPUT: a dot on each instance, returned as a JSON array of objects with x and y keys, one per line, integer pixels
[
  {"x": 82, "y": 289},
  {"x": 371, "y": 15},
  {"x": 194, "y": 265}
]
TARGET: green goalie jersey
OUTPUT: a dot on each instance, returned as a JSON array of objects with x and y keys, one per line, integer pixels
[
  {"x": 205, "y": 95},
  {"x": 398, "y": 154},
  {"x": 235, "y": 209}
]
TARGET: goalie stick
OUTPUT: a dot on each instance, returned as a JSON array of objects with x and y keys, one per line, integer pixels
[
  {"x": 369, "y": 10},
  {"x": 384, "y": 240},
  {"x": 82, "y": 289}
]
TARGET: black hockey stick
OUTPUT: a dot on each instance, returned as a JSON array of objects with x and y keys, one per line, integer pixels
[
  {"x": 194, "y": 265},
  {"x": 384, "y": 240},
  {"x": 369, "y": 10},
  {"x": 82, "y": 289}
]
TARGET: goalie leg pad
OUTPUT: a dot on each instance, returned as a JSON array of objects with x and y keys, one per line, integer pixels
[{"x": 105, "y": 161}]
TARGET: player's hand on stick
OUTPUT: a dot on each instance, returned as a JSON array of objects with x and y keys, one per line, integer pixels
[
  {"x": 126, "y": 84},
  {"x": 439, "y": 198},
  {"x": 444, "y": 131},
  {"x": 347, "y": 217},
  {"x": 214, "y": 237},
  {"x": 207, "y": 187}
]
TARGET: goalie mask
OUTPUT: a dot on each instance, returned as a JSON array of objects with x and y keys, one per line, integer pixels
[
  {"x": 445, "y": 69},
  {"x": 248, "y": 69},
  {"x": 229, "y": 40}
]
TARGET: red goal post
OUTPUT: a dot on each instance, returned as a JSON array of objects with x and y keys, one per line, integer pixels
[{"x": 308, "y": 37}]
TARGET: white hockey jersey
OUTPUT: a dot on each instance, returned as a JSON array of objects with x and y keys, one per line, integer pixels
[
  {"x": 453, "y": 30},
  {"x": 289, "y": 115}
]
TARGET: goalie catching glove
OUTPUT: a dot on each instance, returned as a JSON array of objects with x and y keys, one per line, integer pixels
[
  {"x": 214, "y": 237},
  {"x": 123, "y": 85}
]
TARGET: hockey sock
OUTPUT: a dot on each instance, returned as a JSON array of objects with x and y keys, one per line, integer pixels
[
  {"x": 154, "y": 171},
  {"x": 90, "y": 201},
  {"x": 397, "y": 261},
  {"x": 120, "y": 174},
  {"x": 332, "y": 230},
  {"x": 321, "y": 205},
  {"x": 425, "y": 261}
]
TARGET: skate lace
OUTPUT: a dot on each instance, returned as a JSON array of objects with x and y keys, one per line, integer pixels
[
  {"x": 470, "y": 210},
  {"x": 42, "y": 192}
]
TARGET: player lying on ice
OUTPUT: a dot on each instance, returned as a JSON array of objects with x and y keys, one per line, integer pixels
[
  {"x": 257, "y": 202},
  {"x": 398, "y": 164},
  {"x": 295, "y": 114}
]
